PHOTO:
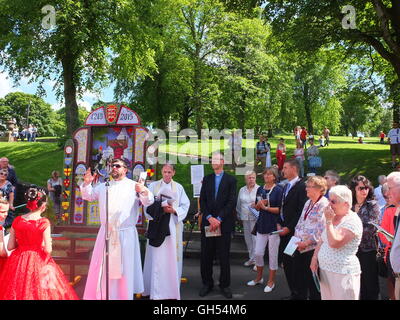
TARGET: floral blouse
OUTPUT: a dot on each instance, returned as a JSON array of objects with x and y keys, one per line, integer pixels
[
  {"x": 310, "y": 227},
  {"x": 7, "y": 189},
  {"x": 369, "y": 212}
]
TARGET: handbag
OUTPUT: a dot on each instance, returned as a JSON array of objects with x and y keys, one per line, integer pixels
[{"x": 380, "y": 261}]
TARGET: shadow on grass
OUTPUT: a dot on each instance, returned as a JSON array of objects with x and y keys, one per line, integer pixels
[{"x": 350, "y": 162}]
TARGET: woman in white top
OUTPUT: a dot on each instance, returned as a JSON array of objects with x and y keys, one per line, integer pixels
[
  {"x": 247, "y": 198},
  {"x": 335, "y": 254},
  {"x": 299, "y": 155}
]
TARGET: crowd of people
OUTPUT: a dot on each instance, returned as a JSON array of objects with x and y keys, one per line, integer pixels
[
  {"x": 28, "y": 132},
  {"x": 334, "y": 229},
  {"x": 314, "y": 160},
  {"x": 322, "y": 233}
]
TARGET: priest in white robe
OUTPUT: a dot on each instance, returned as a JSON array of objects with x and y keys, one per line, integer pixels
[
  {"x": 125, "y": 267},
  {"x": 163, "y": 265}
]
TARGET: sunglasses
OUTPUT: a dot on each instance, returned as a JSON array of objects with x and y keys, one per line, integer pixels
[
  {"x": 117, "y": 166},
  {"x": 363, "y": 188}
]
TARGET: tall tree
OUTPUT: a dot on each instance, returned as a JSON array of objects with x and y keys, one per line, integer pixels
[
  {"x": 198, "y": 22},
  {"x": 354, "y": 24},
  {"x": 28, "y": 109},
  {"x": 77, "y": 52},
  {"x": 317, "y": 78},
  {"x": 246, "y": 71}
]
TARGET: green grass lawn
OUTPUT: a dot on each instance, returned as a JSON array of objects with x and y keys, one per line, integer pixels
[
  {"x": 344, "y": 154},
  {"x": 35, "y": 161}
]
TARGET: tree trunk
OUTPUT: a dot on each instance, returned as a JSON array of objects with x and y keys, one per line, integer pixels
[
  {"x": 197, "y": 98},
  {"x": 270, "y": 133},
  {"x": 395, "y": 97},
  {"x": 184, "y": 115},
  {"x": 396, "y": 112},
  {"x": 242, "y": 114},
  {"x": 71, "y": 106},
  {"x": 346, "y": 130},
  {"x": 307, "y": 107}
]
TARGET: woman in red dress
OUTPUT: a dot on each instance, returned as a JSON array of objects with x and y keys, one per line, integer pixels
[
  {"x": 30, "y": 273},
  {"x": 281, "y": 153}
]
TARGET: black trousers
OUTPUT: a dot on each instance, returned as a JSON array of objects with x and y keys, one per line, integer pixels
[
  {"x": 369, "y": 275},
  {"x": 219, "y": 247},
  {"x": 288, "y": 265},
  {"x": 304, "y": 283}
]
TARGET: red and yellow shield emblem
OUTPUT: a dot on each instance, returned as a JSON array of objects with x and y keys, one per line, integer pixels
[
  {"x": 111, "y": 113},
  {"x": 67, "y": 172},
  {"x": 65, "y": 205},
  {"x": 66, "y": 183}
]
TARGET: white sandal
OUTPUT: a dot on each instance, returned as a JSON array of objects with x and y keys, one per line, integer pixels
[{"x": 252, "y": 283}]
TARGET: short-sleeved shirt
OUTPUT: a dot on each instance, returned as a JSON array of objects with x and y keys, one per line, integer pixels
[
  {"x": 54, "y": 183},
  {"x": 245, "y": 199},
  {"x": 262, "y": 148},
  {"x": 310, "y": 227},
  {"x": 299, "y": 153},
  {"x": 7, "y": 189},
  {"x": 312, "y": 151},
  {"x": 342, "y": 260},
  {"x": 267, "y": 221},
  {"x": 394, "y": 136}
]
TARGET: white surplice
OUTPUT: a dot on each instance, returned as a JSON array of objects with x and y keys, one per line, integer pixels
[
  {"x": 163, "y": 265},
  {"x": 126, "y": 277}
]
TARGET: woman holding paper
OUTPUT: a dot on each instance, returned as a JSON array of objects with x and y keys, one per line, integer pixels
[
  {"x": 368, "y": 210},
  {"x": 335, "y": 255},
  {"x": 309, "y": 230},
  {"x": 268, "y": 202},
  {"x": 246, "y": 199}
]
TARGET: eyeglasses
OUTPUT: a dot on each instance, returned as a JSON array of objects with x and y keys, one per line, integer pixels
[
  {"x": 333, "y": 201},
  {"x": 315, "y": 187},
  {"x": 363, "y": 188},
  {"x": 117, "y": 166}
]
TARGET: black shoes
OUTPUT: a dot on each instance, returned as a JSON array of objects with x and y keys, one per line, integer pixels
[
  {"x": 205, "y": 291},
  {"x": 226, "y": 292}
]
